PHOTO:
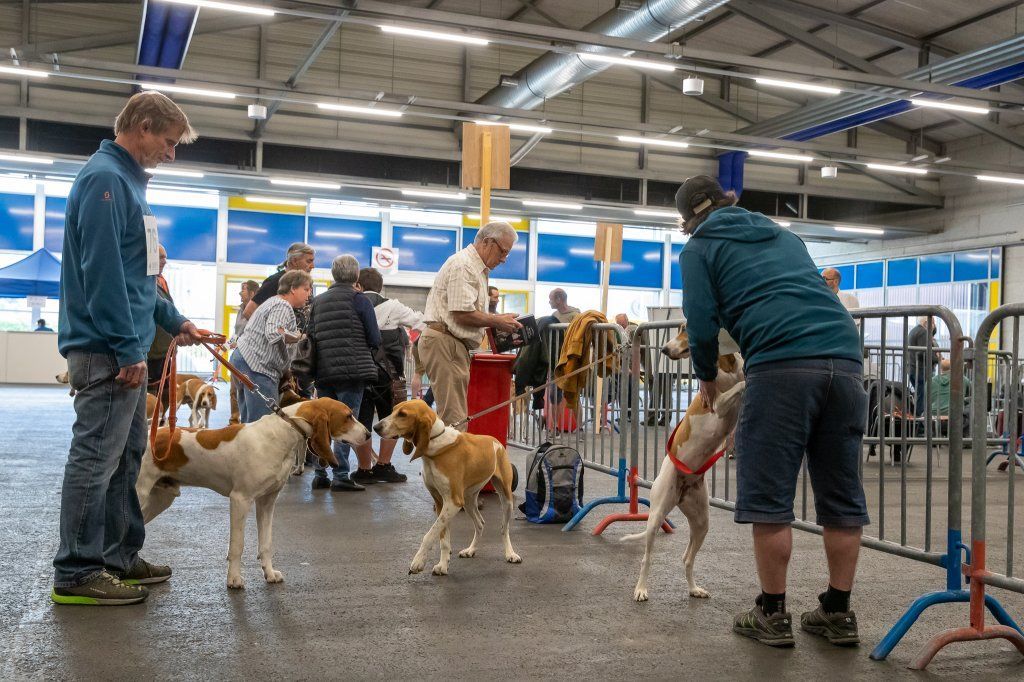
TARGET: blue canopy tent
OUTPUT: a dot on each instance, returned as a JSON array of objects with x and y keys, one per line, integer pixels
[{"x": 34, "y": 275}]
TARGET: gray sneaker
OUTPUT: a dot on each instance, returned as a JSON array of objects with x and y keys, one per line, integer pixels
[
  {"x": 145, "y": 573},
  {"x": 774, "y": 630},
  {"x": 838, "y": 628},
  {"x": 103, "y": 589}
]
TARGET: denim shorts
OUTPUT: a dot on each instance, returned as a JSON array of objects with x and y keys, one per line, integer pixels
[{"x": 791, "y": 407}]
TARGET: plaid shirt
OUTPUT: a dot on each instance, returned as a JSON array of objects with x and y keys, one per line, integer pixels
[{"x": 461, "y": 285}]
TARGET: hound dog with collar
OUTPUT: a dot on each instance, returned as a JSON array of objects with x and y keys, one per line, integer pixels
[
  {"x": 202, "y": 398},
  {"x": 456, "y": 466},
  {"x": 694, "y": 446},
  {"x": 246, "y": 463}
]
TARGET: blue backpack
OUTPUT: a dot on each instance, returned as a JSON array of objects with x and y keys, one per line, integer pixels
[{"x": 554, "y": 485}]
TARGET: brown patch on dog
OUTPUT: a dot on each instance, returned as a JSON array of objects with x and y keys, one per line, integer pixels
[
  {"x": 727, "y": 363},
  {"x": 327, "y": 417},
  {"x": 150, "y": 405},
  {"x": 290, "y": 397},
  {"x": 413, "y": 420},
  {"x": 168, "y": 448},
  {"x": 211, "y": 438}
]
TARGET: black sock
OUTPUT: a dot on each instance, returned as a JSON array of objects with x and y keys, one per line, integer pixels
[
  {"x": 771, "y": 603},
  {"x": 835, "y": 601}
]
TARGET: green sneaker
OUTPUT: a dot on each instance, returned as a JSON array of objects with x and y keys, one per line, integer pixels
[
  {"x": 838, "y": 628},
  {"x": 103, "y": 589},
  {"x": 774, "y": 630},
  {"x": 145, "y": 573}
]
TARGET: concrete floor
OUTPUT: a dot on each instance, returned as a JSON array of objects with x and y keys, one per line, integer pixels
[{"x": 348, "y": 609}]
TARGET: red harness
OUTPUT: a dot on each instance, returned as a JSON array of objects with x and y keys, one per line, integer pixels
[{"x": 682, "y": 467}]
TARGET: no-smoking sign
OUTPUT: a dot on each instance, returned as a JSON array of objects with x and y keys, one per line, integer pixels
[{"x": 385, "y": 259}]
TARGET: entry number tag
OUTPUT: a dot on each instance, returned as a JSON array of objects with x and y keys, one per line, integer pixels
[{"x": 152, "y": 246}]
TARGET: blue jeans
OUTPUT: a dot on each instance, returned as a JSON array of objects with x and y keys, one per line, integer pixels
[
  {"x": 101, "y": 526},
  {"x": 352, "y": 395},
  {"x": 251, "y": 407},
  {"x": 792, "y": 407}
]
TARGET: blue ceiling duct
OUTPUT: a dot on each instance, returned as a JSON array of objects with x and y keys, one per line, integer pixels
[{"x": 166, "y": 33}]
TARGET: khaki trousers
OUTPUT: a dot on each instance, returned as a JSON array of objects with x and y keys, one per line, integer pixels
[{"x": 446, "y": 362}]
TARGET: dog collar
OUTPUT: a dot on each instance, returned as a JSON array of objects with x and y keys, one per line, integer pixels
[{"x": 682, "y": 467}]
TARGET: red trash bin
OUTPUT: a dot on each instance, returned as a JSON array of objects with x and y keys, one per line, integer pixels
[{"x": 490, "y": 383}]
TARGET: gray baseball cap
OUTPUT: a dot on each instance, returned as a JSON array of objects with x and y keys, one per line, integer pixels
[{"x": 697, "y": 194}]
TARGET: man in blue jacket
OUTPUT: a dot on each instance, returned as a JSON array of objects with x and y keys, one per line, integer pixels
[
  {"x": 108, "y": 316},
  {"x": 802, "y": 356}
]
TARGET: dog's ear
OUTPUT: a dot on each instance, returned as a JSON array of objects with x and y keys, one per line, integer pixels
[
  {"x": 320, "y": 441},
  {"x": 213, "y": 400},
  {"x": 421, "y": 435}
]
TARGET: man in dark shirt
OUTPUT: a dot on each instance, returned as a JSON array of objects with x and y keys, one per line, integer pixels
[
  {"x": 299, "y": 257},
  {"x": 920, "y": 368}
]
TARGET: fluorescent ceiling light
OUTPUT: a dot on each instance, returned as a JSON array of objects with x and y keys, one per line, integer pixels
[
  {"x": 523, "y": 127},
  {"x": 21, "y": 71},
  {"x": 252, "y": 198},
  {"x": 938, "y": 104},
  {"x": 653, "y": 141},
  {"x": 655, "y": 213},
  {"x": 996, "y": 178},
  {"x": 200, "y": 92},
  {"x": 434, "y": 35},
  {"x": 299, "y": 182},
  {"x": 552, "y": 204},
  {"x": 493, "y": 218},
  {"x": 796, "y": 85},
  {"x": 337, "y": 235},
  {"x": 366, "y": 111},
  {"x": 226, "y": 6},
  {"x": 780, "y": 155},
  {"x": 174, "y": 172},
  {"x": 628, "y": 61},
  {"x": 46, "y": 161},
  {"x": 430, "y": 194},
  {"x": 859, "y": 230},
  {"x": 897, "y": 169}
]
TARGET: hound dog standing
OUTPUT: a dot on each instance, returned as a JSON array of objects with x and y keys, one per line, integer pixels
[
  {"x": 691, "y": 450},
  {"x": 246, "y": 463},
  {"x": 201, "y": 397},
  {"x": 456, "y": 466}
]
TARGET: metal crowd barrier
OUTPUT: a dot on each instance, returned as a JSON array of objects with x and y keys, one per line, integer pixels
[{"x": 1011, "y": 562}]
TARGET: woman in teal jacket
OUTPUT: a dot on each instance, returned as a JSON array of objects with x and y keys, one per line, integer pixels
[{"x": 802, "y": 357}]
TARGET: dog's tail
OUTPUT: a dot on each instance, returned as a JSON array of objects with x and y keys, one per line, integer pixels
[{"x": 631, "y": 538}]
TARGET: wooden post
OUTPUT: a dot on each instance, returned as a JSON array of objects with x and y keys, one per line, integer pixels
[{"x": 486, "y": 142}]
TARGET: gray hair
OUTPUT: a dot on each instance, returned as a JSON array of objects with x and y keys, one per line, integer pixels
[
  {"x": 298, "y": 249},
  {"x": 293, "y": 279},
  {"x": 496, "y": 230},
  {"x": 345, "y": 269}
]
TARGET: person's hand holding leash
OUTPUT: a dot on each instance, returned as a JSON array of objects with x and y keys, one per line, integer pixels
[
  {"x": 709, "y": 392},
  {"x": 188, "y": 335}
]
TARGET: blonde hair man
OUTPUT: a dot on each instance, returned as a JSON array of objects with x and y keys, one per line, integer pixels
[{"x": 108, "y": 318}]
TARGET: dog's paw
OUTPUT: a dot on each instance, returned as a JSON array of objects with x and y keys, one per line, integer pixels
[
  {"x": 274, "y": 576},
  {"x": 439, "y": 570},
  {"x": 640, "y": 594},
  {"x": 235, "y": 582},
  {"x": 699, "y": 593},
  {"x": 416, "y": 566},
  {"x": 467, "y": 553},
  {"x": 513, "y": 558}
]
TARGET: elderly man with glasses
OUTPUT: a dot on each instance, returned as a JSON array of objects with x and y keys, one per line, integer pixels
[{"x": 456, "y": 316}]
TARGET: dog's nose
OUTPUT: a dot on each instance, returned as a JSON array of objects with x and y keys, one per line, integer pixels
[
  {"x": 376, "y": 429},
  {"x": 664, "y": 350}
]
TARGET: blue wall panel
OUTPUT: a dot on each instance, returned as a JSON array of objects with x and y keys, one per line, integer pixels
[
  {"x": 188, "y": 233},
  {"x": 847, "y": 277},
  {"x": 262, "y": 238},
  {"x": 902, "y": 272},
  {"x": 641, "y": 265},
  {"x": 970, "y": 266},
  {"x": 936, "y": 268},
  {"x": 422, "y": 249},
  {"x": 53, "y": 235},
  {"x": 334, "y": 236},
  {"x": 565, "y": 259},
  {"x": 517, "y": 265},
  {"x": 869, "y": 275},
  {"x": 17, "y": 213},
  {"x": 675, "y": 278}
]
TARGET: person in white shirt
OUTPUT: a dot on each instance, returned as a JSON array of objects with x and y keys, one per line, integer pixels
[
  {"x": 393, "y": 318},
  {"x": 833, "y": 278}
]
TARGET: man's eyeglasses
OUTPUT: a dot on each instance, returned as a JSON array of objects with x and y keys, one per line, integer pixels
[{"x": 502, "y": 249}]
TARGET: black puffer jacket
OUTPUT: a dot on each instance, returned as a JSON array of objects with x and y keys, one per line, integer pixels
[{"x": 337, "y": 325}]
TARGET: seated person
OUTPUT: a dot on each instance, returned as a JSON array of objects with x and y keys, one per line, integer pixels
[{"x": 939, "y": 388}]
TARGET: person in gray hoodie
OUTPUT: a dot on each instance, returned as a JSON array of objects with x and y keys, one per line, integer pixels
[{"x": 804, "y": 393}]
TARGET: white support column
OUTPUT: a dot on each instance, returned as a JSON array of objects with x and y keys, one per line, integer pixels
[
  {"x": 385, "y": 233},
  {"x": 222, "y": 230},
  {"x": 666, "y": 271},
  {"x": 531, "y": 266},
  {"x": 39, "y": 218}
]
